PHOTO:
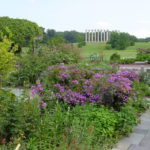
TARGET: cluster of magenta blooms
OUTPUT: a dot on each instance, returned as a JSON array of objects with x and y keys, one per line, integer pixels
[{"x": 74, "y": 85}]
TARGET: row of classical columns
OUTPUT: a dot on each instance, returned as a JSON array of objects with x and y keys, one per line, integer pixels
[{"x": 97, "y": 35}]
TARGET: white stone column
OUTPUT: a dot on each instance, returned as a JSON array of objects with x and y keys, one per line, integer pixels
[
  {"x": 107, "y": 36},
  {"x": 86, "y": 36},
  {"x": 104, "y": 36},
  {"x": 89, "y": 36},
  {"x": 92, "y": 35},
  {"x": 101, "y": 36},
  {"x": 95, "y": 39},
  {"x": 97, "y": 35}
]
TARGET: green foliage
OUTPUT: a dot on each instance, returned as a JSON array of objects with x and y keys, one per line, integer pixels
[
  {"x": 30, "y": 67},
  {"x": 115, "y": 57},
  {"x": 60, "y": 127},
  {"x": 121, "y": 41},
  {"x": 7, "y": 107},
  {"x": 126, "y": 119},
  {"x": 143, "y": 57},
  {"x": 108, "y": 47},
  {"x": 93, "y": 126},
  {"x": 7, "y": 60},
  {"x": 127, "y": 61},
  {"x": 142, "y": 88},
  {"x": 80, "y": 44},
  {"x": 56, "y": 128},
  {"x": 23, "y": 31},
  {"x": 81, "y": 41},
  {"x": 114, "y": 39},
  {"x": 55, "y": 42},
  {"x": 71, "y": 36}
]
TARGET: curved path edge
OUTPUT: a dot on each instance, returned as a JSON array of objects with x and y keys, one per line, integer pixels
[{"x": 139, "y": 139}]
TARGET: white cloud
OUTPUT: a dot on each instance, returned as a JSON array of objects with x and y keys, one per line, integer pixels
[{"x": 102, "y": 24}]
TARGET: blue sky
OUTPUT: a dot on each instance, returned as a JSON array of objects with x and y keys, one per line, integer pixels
[{"x": 132, "y": 16}]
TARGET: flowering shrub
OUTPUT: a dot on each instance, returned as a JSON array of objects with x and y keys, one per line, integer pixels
[{"x": 74, "y": 85}]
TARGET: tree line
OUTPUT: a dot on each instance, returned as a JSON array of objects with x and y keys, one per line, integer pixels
[
  {"x": 68, "y": 36},
  {"x": 23, "y": 33}
]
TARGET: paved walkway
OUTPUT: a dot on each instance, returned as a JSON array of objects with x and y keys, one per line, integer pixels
[
  {"x": 135, "y": 67},
  {"x": 140, "y": 138}
]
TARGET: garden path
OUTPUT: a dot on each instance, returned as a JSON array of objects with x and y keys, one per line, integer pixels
[
  {"x": 134, "y": 67},
  {"x": 139, "y": 139},
  {"x": 17, "y": 91}
]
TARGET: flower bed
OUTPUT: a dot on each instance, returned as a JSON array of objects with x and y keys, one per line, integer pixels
[{"x": 71, "y": 109}]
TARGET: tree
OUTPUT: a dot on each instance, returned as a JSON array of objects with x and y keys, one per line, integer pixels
[
  {"x": 121, "y": 41},
  {"x": 7, "y": 60},
  {"x": 51, "y": 33},
  {"x": 69, "y": 36},
  {"x": 23, "y": 31},
  {"x": 80, "y": 40},
  {"x": 114, "y": 39},
  {"x": 55, "y": 41}
]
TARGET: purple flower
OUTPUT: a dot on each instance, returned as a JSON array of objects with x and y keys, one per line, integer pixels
[
  {"x": 72, "y": 66},
  {"x": 75, "y": 82},
  {"x": 63, "y": 67},
  {"x": 112, "y": 79},
  {"x": 134, "y": 95},
  {"x": 43, "y": 104},
  {"x": 63, "y": 75},
  {"x": 96, "y": 75},
  {"x": 61, "y": 88}
]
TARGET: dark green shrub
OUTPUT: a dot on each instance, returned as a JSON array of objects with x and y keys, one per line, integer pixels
[
  {"x": 132, "y": 43},
  {"x": 115, "y": 57},
  {"x": 127, "y": 61},
  {"x": 126, "y": 119},
  {"x": 80, "y": 44},
  {"x": 143, "y": 57},
  {"x": 29, "y": 68},
  {"x": 7, "y": 107},
  {"x": 93, "y": 126}
]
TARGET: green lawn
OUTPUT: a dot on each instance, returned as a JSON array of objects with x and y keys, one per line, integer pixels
[{"x": 99, "y": 48}]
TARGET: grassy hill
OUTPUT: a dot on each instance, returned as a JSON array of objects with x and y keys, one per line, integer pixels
[{"x": 99, "y": 48}]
